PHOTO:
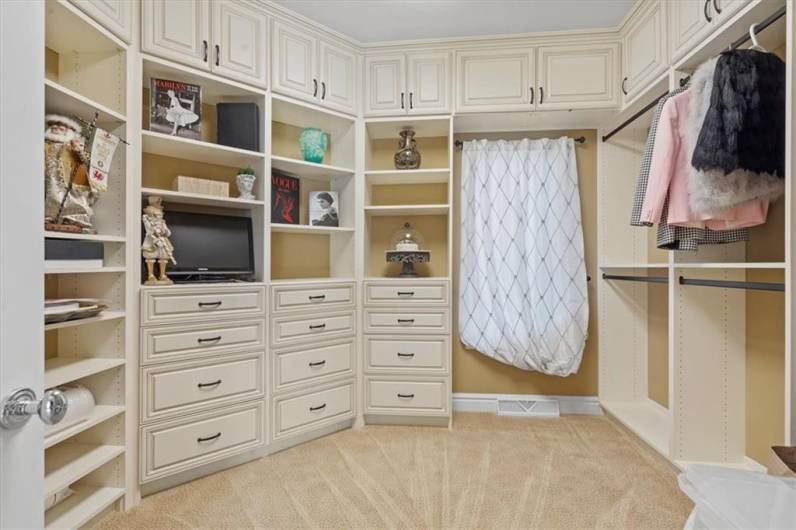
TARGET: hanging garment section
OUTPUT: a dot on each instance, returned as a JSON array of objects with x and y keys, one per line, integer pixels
[{"x": 522, "y": 289}]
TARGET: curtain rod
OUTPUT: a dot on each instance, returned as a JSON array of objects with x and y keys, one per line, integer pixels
[
  {"x": 579, "y": 140},
  {"x": 645, "y": 279},
  {"x": 755, "y": 286}
]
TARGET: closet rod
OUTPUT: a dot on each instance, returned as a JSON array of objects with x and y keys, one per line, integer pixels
[
  {"x": 635, "y": 116},
  {"x": 761, "y": 26},
  {"x": 755, "y": 286},
  {"x": 645, "y": 279},
  {"x": 579, "y": 140}
]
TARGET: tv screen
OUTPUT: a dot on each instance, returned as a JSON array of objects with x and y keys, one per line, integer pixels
[{"x": 210, "y": 244}]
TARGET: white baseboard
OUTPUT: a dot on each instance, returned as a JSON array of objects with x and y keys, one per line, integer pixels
[{"x": 587, "y": 405}]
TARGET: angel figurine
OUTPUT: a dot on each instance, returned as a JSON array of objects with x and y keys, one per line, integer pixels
[{"x": 156, "y": 245}]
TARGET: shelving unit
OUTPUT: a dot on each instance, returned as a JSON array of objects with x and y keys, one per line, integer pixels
[{"x": 198, "y": 199}]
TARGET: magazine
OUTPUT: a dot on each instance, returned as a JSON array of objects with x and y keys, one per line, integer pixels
[
  {"x": 284, "y": 199},
  {"x": 323, "y": 208},
  {"x": 175, "y": 108}
]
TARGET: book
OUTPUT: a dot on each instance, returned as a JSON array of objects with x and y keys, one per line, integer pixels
[
  {"x": 175, "y": 108},
  {"x": 284, "y": 198},
  {"x": 323, "y": 208},
  {"x": 65, "y": 305}
]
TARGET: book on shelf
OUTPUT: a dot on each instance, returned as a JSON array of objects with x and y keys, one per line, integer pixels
[
  {"x": 284, "y": 198},
  {"x": 175, "y": 108},
  {"x": 323, "y": 208},
  {"x": 63, "y": 309}
]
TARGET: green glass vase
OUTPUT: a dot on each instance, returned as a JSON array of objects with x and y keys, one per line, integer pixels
[{"x": 313, "y": 143}]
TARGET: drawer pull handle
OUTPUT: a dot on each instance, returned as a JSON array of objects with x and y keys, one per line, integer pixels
[
  {"x": 319, "y": 407},
  {"x": 405, "y": 354},
  {"x": 406, "y": 320},
  {"x": 318, "y": 326},
  {"x": 209, "y": 438},
  {"x": 211, "y": 339},
  {"x": 208, "y": 385},
  {"x": 210, "y": 304},
  {"x": 406, "y": 293},
  {"x": 318, "y": 363},
  {"x": 406, "y": 396},
  {"x": 318, "y": 297}
]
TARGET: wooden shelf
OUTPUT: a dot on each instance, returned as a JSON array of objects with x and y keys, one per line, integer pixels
[
  {"x": 408, "y": 176},
  {"x": 83, "y": 270},
  {"x": 635, "y": 266},
  {"x": 303, "y": 281},
  {"x": 68, "y": 463},
  {"x": 424, "y": 126},
  {"x": 416, "y": 209},
  {"x": 86, "y": 503},
  {"x": 719, "y": 265},
  {"x": 86, "y": 237},
  {"x": 200, "y": 199},
  {"x": 67, "y": 29},
  {"x": 302, "y": 114},
  {"x": 98, "y": 415},
  {"x": 102, "y": 317},
  {"x": 177, "y": 147},
  {"x": 60, "y": 370},
  {"x": 309, "y": 170},
  {"x": 61, "y": 100},
  {"x": 647, "y": 420},
  {"x": 307, "y": 229}
]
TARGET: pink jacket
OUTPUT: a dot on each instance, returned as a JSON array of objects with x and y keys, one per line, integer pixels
[{"x": 668, "y": 175}]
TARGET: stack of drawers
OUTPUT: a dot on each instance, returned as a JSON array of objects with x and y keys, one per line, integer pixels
[
  {"x": 313, "y": 359},
  {"x": 202, "y": 375},
  {"x": 407, "y": 350}
]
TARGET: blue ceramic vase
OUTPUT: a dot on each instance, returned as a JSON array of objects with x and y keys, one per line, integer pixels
[{"x": 313, "y": 143}]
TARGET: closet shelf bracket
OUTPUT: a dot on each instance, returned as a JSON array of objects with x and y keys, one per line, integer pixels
[{"x": 753, "y": 286}]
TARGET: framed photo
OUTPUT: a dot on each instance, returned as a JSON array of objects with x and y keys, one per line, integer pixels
[
  {"x": 323, "y": 208},
  {"x": 175, "y": 108},
  {"x": 284, "y": 199}
]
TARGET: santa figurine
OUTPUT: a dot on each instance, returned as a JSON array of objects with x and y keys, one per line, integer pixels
[{"x": 68, "y": 195}]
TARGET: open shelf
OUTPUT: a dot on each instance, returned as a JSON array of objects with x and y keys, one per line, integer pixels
[
  {"x": 102, "y": 238},
  {"x": 105, "y": 316},
  {"x": 308, "y": 229},
  {"x": 62, "y": 100},
  {"x": 424, "y": 126},
  {"x": 187, "y": 149},
  {"x": 720, "y": 265},
  {"x": 301, "y": 114},
  {"x": 407, "y": 176},
  {"x": 68, "y": 463},
  {"x": 83, "y": 270},
  {"x": 200, "y": 199},
  {"x": 60, "y": 370},
  {"x": 308, "y": 170},
  {"x": 410, "y": 209},
  {"x": 86, "y": 503},
  {"x": 97, "y": 416},
  {"x": 647, "y": 420}
]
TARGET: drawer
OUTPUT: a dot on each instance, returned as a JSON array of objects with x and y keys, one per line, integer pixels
[
  {"x": 181, "y": 388},
  {"x": 406, "y": 321},
  {"x": 174, "y": 343},
  {"x": 406, "y": 397},
  {"x": 300, "y": 413},
  {"x": 176, "y": 446},
  {"x": 314, "y": 364},
  {"x": 179, "y": 304},
  {"x": 413, "y": 354},
  {"x": 406, "y": 293},
  {"x": 311, "y": 296},
  {"x": 303, "y": 328}
]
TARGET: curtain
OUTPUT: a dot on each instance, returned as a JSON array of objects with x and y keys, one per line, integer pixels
[{"x": 522, "y": 276}]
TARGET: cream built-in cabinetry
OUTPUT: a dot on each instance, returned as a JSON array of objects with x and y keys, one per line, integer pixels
[
  {"x": 414, "y": 83},
  {"x": 577, "y": 76},
  {"x": 492, "y": 80},
  {"x": 115, "y": 15},
  {"x": 690, "y": 21},
  {"x": 644, "y": 49}
]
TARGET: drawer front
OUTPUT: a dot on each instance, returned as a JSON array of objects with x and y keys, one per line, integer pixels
[
  {"x": 200, "y": 303},
  {"x": 415, "y": 321},
  {"x": 406, "y": 397},
  {"x": 300, "y": 413},
  {"x": 288, "y": 330},
  {"x": 180, "y": 388},
  {"x": 308, "y": 297},
  {"x": 313, "y": 364},
  {"x": 402, "y": 293},
  {"x": 177, "y": 446},
  {"x": 412, "y": 354},
  {"x": 173, "y": 343}
]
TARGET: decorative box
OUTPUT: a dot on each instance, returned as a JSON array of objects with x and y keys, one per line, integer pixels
[{"x": 202, "y": 186}]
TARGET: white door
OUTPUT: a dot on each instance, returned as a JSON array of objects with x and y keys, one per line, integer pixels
[
  {"x": 727, "y": 8},
  {"x": 495, "y": 80},
  {"x": 385, "y": 85},
  {"x": 689, "y": 22},
  {"x": 21, "y": 256},
  {"x": 578, "y": 77},
  {"x": 178, "y": 30},
  {"x": 338, "y": 78},
  {"x": 644, "y": 51},
  {"x": 295, "y": 71},
  {"x": 115, "y": 15},
  {"x": 429, "y": 83},
  {"x": 240, "y": 42}
]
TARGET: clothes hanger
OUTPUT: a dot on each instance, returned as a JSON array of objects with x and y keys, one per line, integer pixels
[{"x": 753, "y": 36}]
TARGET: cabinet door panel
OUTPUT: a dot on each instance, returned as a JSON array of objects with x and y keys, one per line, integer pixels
[
  {"x": 240, "y": 36},
  {"x": 688, "y": 23},
  {"x": 178, "y": 30},
  {"x": 115, "y": 15},
  {"x": 644, "y": 51},
  {"x": 338, "y": 78},
  {"x": 728, "y": 8},
  {"x": 495, "y": 80},
  {"x": 428, "y": 83},
  {"x": 578, "y": 77},
  {"x": 295, "y": 62},
  {"x": 385, "y": 85}
]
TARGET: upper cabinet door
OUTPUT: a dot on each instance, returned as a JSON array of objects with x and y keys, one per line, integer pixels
[
  {"x": 178, "y": 30},
  {"x": 689, "y": 22},
  {"x": 578, "y": 76},
  {"x": 726, "y": 8},
  {"x": 495, "y": 80},
  {"x": 429, "y": 83},
  {"x": 295, "y": 57},
  {"x": 115, "y": 15},
  {"x": 240, "y": 44},
  {"x": 644, "y": 50},
  {"x": 385, "y": 85},
  {"x": 338, "y": 78}
]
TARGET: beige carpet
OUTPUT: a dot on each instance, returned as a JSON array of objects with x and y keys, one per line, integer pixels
[{"x": 487, "y": 472}]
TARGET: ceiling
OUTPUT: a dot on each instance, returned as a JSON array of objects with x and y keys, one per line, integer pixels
[{"x": 371, "y": 21}]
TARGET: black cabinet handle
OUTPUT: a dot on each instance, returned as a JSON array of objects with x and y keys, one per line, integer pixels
[
  {"x": 406, "y": 396},
  {"x": 411, "y": 102},
  {"x": 624, "y": 90},
  {"x": 406, "y": 320},
  {"x": 716, "y": 7},
  {"x": 319, "y": 407},
  {"x": 317, "y": 297},
  {"x": 402, "y": 100},
  {"x": 405, "y": 354},
  {"x": 705, "y": 10},
  {"x": 207, "y": 385},
  {"x": 406, "y": 293},
  {"x": 323, "y": 89},
  {"x": 314, "y": 88},
  {"x": 210, "y": 304},
  {"x": 541, "y": 95},
  {"x": 204, "y": 53},
  {"x": 318, "y": 326},
  {"x": 318, "y": 363},
  {"x": 531, "y": 102},
  {"x": 209, "y": 438},
  {"x": 218, "y": 53},
  {"x": 211, "y": 339}
]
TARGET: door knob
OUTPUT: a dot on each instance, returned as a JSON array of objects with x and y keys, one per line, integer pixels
[{"x": 17, "y": 408}]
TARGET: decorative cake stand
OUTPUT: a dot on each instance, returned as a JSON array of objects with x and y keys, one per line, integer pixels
[{"x": 408, "y": 258}]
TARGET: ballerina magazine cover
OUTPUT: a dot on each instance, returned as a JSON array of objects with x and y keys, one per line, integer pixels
[{"x": 175, "y": 108}]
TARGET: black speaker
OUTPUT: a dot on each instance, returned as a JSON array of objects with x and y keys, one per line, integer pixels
[{"x": 239, "y": 125}]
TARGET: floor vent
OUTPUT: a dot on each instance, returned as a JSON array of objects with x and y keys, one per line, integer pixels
[{"x": 537, "y": 407}]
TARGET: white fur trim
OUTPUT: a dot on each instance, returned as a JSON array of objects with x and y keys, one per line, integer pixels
[{"x": 66, "y": 120}]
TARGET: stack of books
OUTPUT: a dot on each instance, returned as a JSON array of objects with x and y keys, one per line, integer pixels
[{"x": 63, "y": 309}]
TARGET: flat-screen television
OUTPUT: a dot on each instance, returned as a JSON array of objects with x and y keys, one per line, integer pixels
[{"x": 210, "y": 246}]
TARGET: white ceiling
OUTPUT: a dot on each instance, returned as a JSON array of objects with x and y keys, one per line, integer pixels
[{"x": 389, "y": 20}]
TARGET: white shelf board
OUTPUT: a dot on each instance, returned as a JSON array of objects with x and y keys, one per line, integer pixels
[
  {"x": 102, "y": 317},
  {"x": 65, "y": 464},
  {"x": 408, "y": 209},
  {"x": 309, "y": 170},
  {"x": 60, "y": 370},
  {"x": 409, "y": 280},
  {"x": 307, "y": 229},
  {"x": 645, "y": 419},
  {"x": 86, "y": 237},
  {"x": 186, "y": 149},
  {"x": 201, "y": 199},
  {"x": 98, "y": 415},
  {"x": 747, "y": 465},
  {"x": 61, "y": 100},
  {"x": 635, "y": 266},
  {"x": 83, "y": 270},
  {"x": 719, "y": 265},
  {"x": 408, "y": 176},
  {"x": 302, "y": 114},
  {"x": 86, "y": 503},
  {"x": 424, "y": 126},
  {"x": 304, "y": 281},
  {"x": 67, "y": 29}
]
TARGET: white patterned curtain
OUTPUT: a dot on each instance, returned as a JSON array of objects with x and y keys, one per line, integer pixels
[{"x": 522, "y": 277}]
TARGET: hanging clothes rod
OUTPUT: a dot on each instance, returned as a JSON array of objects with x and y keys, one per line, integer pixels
[
  {"x": 754, "y": 286},
  {"x": 740, "y": 42},
  {"x": 579, "y": 140},
  {"x": 644, "y": 279}
]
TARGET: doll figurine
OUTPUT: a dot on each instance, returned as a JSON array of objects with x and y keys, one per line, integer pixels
[{"x": 156, "y": 245}]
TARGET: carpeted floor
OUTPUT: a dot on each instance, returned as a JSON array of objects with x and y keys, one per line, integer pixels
[{"x": 487, "y": 472}]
